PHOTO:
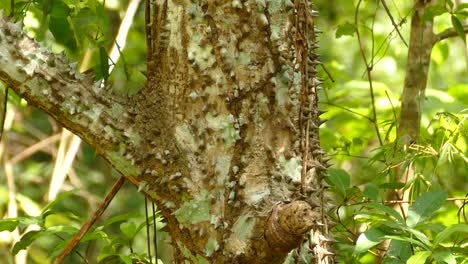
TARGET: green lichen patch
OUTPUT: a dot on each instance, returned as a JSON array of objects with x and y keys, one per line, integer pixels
[
  {"x": 123, "y": 165},
  {"x": 223, "y": 163},
  {"x": 192, "y": 258},
  {"x": 211, "y": 246},
  {"x": 291, "y": 168},
  {"x": 243, "y": 227},
  {"x": 194, "y": 211},
  {"x": 225, "y": 124},
  {"x": 185, "y": 138}
]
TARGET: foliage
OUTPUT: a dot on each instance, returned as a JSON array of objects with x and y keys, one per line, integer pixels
[{"x": 368, "y": 225}]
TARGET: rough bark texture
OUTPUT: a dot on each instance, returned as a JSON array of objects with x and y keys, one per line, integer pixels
[
  {"x": 419, "y": 57},
  {"x": 224, "y": 138}
]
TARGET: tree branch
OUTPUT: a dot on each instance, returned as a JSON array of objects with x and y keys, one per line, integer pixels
[
  {"x": 85, "y": 228},
  {"x": 393, "y": 21},
  {"x": 448, "y": 33}
]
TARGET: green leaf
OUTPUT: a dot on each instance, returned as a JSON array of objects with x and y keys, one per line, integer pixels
[
  {"x": 104, "y": 63},
  {"x": 126, "y": 259},
  {"x": 8, "y": 224},
  {"x": 425, "y": 206},
  {"x": 59, "y": 9},
  {"x": 59, "y": 198},
  {"x": 419, "y": 257},
  {"x": 129, "y": 229},
  {"x": 121, "y": 218},
  {"x": 371, "y": 191},
  {"x": 459, "y": 28},
  {"x": 368, "y": 239},
  {"x": 407, "y": 239},
  {"x": 387, "y": 210},
  {"x": 339, "y": 179},
  {"x": 26, "y": 240},
  {"x": 432, "y": 11},
  {"x": 445, "y": 257},
  {"x": 392, "y": 185},
  {"x": 398, "y": 252},
  {"x": 440, "y": 237},
  {"x": 346, "y": 29},
  {"x": 461, "y": 7}
]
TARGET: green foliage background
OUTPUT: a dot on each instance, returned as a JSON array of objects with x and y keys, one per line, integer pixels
[{"x": 360, "y": 182}]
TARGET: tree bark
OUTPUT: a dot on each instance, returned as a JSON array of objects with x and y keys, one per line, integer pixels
[
  {"x": 419, "y": 57},
  {"x": 224, "y": 137}
]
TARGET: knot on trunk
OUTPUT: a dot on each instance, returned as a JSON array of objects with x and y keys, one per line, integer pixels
[{"x": 288, "y": 223}]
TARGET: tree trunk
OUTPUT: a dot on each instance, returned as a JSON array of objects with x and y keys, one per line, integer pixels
[
  {"x": 224, "y": 138},
  {"x": 419, "y": 57}
]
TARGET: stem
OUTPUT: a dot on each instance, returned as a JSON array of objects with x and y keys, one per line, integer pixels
[{"x": 96, "y": 215}]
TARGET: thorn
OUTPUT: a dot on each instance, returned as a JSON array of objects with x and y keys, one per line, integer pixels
[
  {"x": 326, "y": 239},
  {"x": 321, "y": 121},
  {"x": 318, "y": 151},
  {"x": 321, "y": 112},
  {"x": 314, "y": 141},
  {"x": 315, "y": 164}
]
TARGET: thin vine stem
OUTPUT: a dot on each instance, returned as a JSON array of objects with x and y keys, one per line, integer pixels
[{"x": 369, "y": 68}]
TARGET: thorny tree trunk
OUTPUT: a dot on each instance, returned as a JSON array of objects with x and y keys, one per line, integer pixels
[{"x": 224, "y": 138}]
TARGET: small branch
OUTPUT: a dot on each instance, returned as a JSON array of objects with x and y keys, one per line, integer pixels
[
  {"x": 349, "y": 110},
  {"x": 407, "y": 201},
  {"x": 96, "y": 215},
  {"x": 35, "y": 148},
  {"x": 448, "y": 33},
  {"x": 393, "y": 21},
  {"x": 369, "y": 67},
  {"x": 3, "y": 110}
]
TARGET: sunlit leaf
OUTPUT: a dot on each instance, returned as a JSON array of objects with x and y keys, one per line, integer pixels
[
  {"x": 458, "y": 27},
  {"x": 57, "y": 200},
  {"x": 8, "y": 224},
  {"x": 419, "y": 257},
  {"x": 371, "y": 191},
  {"x": 398, "y": 252},
  {"x": 368, "y": 239},
  {"x": 387, "y": 210},
  {"x": 26, "y": 240},
  {"x": 339, "y": 179},
  {"x": 425, "y": 206},
  {"x": 432, "y": 11},
  {"x": 445, "y": 257},
  {"x": 346, "y": 29},
  {"x": 442, "y": 236},
  {"x": 122, "y": 218},
  {"x": 129, "y": 229}
]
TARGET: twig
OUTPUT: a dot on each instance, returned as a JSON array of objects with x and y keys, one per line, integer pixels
[
  {"x": 448, "y": 33},
  {"x": 155, "y": 235},
  {"x": 393, "y": 21},
  {"x": 406, "y": 201},
  {"x": 35, "y": 148},
  {"x": 149, "y": 50},
  {"x": 96, "y": 215},
  {"x": 349, "y": 110},
  {"x": 148, "y": 243},
  {"x": 3, "y": 112},
  {"x": 327, "y": 72},
  {"x": 368, "y": 70}
]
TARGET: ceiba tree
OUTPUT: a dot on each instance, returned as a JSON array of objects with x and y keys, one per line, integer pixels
[{"x": 224, "y": 137}]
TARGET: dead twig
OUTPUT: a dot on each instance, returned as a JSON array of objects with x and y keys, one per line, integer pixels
[{"x": 86, "y": 226}]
